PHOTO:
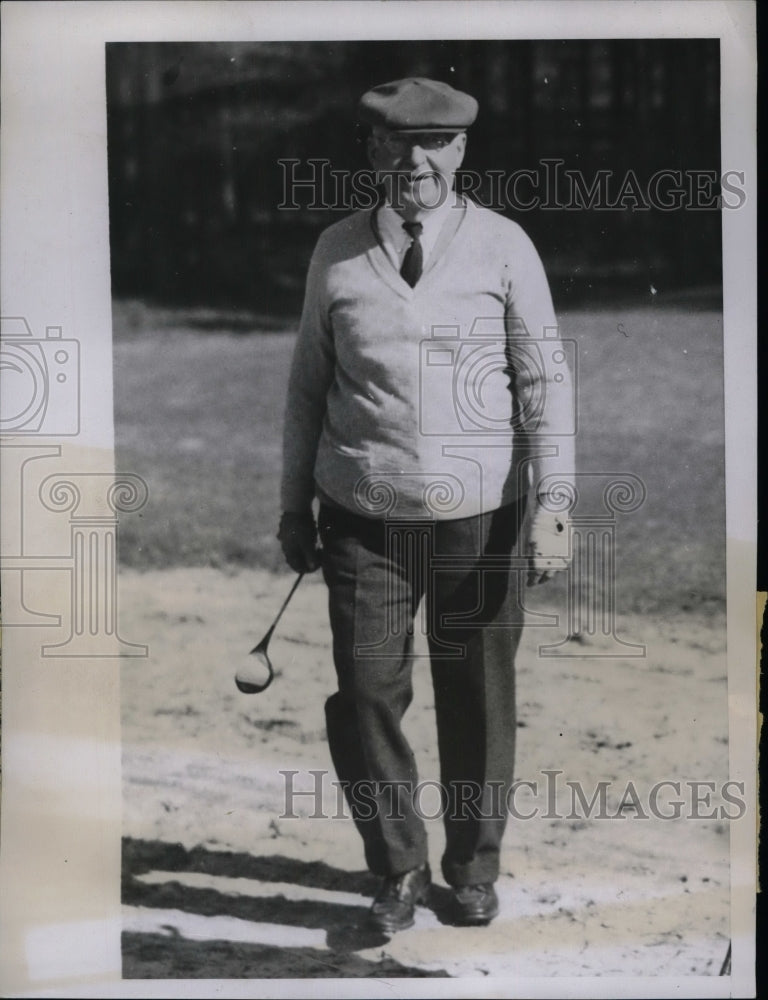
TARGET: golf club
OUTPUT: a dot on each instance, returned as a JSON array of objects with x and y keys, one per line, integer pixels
[{"x": 256, "y": 673}]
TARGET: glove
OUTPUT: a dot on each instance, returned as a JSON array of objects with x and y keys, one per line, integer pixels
[
  {"x": 548, "y": 546},
  {"x": 298, "y": 537}
]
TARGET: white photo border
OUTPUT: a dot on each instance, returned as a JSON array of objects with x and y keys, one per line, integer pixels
[{"x": 61, "y": 732}]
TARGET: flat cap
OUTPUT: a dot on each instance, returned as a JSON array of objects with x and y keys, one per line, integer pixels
[{"x": 417, "y": 104}]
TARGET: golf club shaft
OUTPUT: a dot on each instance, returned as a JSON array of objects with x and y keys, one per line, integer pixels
[{"x": 291, "y": 592}]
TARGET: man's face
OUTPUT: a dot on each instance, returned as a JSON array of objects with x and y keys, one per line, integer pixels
[{"x": 416, "y": 168}]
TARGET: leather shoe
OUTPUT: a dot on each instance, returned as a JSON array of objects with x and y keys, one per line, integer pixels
[
  {"x": 395, "y": 903},
  {"x": 475, "y": 904}
]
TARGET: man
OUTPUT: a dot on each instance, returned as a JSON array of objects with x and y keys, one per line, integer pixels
[{"x": 423, "y": 412}]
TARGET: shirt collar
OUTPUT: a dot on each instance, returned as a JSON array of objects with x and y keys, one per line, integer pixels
[{"x": 391, "y": 224}]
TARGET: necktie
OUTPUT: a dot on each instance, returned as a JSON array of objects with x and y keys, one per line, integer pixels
[{"x": 413, "y": 262}]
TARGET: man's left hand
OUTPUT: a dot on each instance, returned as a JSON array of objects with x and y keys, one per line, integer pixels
[{"x": 548, "y": 547}]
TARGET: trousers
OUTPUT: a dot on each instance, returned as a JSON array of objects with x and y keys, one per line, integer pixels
[{"x": 377, "y": 572}]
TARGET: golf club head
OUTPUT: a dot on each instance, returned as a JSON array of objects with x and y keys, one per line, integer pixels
[{"x": 255, "y": 674}]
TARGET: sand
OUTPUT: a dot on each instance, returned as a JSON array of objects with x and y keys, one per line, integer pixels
[{"x": 224, "y": 877}]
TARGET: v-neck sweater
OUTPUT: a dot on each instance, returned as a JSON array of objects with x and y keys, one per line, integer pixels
[{"x": 445, "y": 400}]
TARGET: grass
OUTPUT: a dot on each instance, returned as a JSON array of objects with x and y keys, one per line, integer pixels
[{"x": 198, "y": 412}]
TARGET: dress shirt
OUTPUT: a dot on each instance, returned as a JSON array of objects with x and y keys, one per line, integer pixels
[{"x": 396, "y": 241}]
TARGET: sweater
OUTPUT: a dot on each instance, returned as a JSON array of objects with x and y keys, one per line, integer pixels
[{"x": 445, "y": 400}]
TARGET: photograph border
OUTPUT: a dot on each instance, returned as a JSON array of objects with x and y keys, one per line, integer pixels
[{"x": 61, "y": 743}]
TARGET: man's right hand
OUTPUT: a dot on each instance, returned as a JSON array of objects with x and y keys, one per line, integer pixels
[{"x": 298, "y": 537}]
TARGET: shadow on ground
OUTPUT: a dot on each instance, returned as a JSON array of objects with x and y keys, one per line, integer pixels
[{"x": 172, "y": 956}]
